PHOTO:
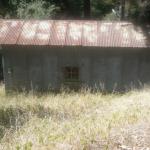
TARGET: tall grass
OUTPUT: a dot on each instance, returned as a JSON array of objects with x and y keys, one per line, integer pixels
[{"x": 68, "y": 120}]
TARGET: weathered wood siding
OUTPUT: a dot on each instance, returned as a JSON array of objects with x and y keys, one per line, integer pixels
[{"x": 105, "y": 69}]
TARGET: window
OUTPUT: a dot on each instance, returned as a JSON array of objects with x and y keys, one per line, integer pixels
[{"x": 71, "y": 73}]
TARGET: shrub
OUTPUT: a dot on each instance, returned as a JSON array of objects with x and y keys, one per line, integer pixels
[{"x": 38, "y": 9}]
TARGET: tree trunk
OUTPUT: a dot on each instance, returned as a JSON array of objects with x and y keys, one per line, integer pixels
[
  {"x": 87, "y": 9},
  {"x": 122, "y": 10}
]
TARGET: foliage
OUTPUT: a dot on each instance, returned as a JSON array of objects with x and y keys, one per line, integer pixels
[
  {"x": 101, "y": 8},
  {"x": 145, "y": 11},
  {"x": 136, "y": 10},
  {"x": 133, "y": 9},
  {"x": 111, "y": 16},
  {"x": 73, "y": 8},
  {"x": 36, "y": 10}
]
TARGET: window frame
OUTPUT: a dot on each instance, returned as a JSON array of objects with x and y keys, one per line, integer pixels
[{"x": 71, "y": 74}]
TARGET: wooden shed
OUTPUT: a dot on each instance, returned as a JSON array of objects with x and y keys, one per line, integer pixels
[{"x": 51, "y": 54}]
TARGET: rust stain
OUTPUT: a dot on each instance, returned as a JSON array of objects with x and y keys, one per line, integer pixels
[
  {"x": 71, "y": 33},
  {"x": 14, "y": 32}
]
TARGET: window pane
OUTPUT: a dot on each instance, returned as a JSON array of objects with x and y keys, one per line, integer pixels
[{"x": 71, "y": 73}]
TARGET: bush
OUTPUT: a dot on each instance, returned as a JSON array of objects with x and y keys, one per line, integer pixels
[{"x": 38, "y": 9}]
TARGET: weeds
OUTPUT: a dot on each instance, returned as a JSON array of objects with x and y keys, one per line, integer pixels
[{"x": 82, "y": 120}]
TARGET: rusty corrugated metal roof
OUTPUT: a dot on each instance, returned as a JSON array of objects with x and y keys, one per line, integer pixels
[{"x": 72, "y": 33}]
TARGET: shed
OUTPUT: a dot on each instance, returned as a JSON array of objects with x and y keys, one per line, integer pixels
[{"x": 50, "y": 54}]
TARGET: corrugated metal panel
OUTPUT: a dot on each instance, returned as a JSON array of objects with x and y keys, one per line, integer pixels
[
  {"x": 27, "y": 36},
  {"x": 140, "y": 39},
  {"x": 89, "y": 33},
  {"x": 58, "y": 33},
  {"x": 14, "y": 32},
  {"x": 126, "y": 35},
  {"x": 115, "y": 34},
  {"x": 4, "y": 30},
  {"x": 43, "y": 33},
  {"x": 104, "y": 34},
  {"x": 72, "y": 33}
]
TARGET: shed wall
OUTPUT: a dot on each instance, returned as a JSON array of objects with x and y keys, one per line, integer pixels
[{"x": 105, "y": 69}]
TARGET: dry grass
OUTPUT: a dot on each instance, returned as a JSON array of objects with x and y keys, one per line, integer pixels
[{"x": 74, "y": 121}]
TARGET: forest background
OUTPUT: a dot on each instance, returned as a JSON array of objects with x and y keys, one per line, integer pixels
[{"x": 133, "y": 10}]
